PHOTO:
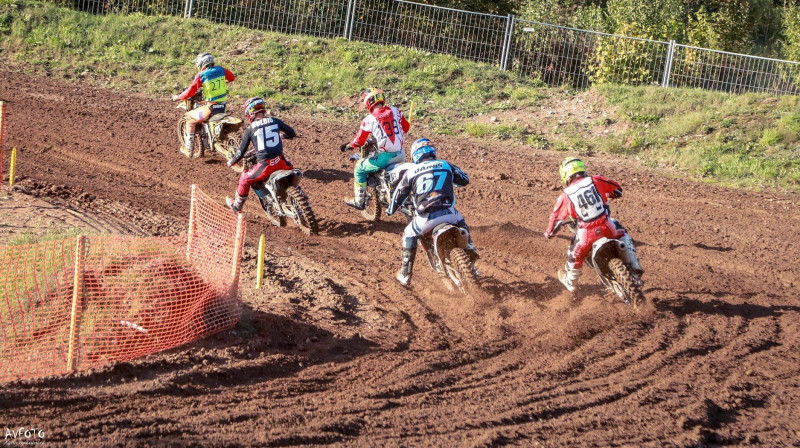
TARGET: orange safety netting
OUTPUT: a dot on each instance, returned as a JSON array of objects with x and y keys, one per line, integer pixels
[{"x": 82, "y": 303}]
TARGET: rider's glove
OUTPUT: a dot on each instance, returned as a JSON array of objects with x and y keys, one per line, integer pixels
[
  {"x": 345, "y": 147},
  {"x": 176, "y": 97}
]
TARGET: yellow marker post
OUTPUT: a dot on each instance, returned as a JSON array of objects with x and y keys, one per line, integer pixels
[
  {"x": 411, "y": 112},
  {"x": 261, "y": 242},
  {"x": 11, "y": 169}
]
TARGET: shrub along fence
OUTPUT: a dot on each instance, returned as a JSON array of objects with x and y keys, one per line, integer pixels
[
  {"x": 72, "y": 305},
  {"x": 555, "y": 54}
]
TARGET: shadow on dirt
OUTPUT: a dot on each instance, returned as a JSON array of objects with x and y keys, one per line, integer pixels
[
  {"x": 262, "y": 347},
  {"x": 327, "y": 176},
  {"x": 715, "y": 306}
]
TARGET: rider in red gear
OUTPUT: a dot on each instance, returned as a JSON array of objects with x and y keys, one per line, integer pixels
[{"x": 585, "y": 200}]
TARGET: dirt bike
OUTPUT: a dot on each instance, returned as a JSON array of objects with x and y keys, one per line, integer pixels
[
  {"x": 380, "y": 184},
  {"x": 448, "y": 255},
  {"x": 220, "y": 132},
  {"x": 281, "y": 197},
  {"x": 610, "y": 261}
]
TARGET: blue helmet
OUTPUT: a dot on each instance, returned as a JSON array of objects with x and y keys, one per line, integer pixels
[{"x": 422, "y": 148}]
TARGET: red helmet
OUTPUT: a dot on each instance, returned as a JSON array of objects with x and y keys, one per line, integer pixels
[
  {"x": 253, "y": 106},
  {"x": 372, "y": 97}
]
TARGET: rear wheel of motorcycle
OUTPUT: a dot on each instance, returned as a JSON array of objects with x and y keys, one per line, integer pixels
[
  {"x": 182, "y": 137},
  {"x": 461, "y": 271},
  {"x": 625, "y": 284},
  {"x": 372, "y": 206},
  {"x": 305, "y": 215},
  {"x": 227, "y": 148}
]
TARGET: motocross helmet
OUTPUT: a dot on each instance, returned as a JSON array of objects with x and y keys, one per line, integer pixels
[
  {"x": 422, "y": 148},
  {"x": 569, "y": 167},
  {"x": 372, "y": 97},
  {"x": 203, "y": 60},
  {"x": 253, "y": 106}
]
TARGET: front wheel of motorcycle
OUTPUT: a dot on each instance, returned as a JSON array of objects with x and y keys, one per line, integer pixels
[
  {"x": 372, "y": 206},
  {"x": 625, "y": 285},
  {"x": 460, "y": 271},
  {"x": 306, "y": 219}
]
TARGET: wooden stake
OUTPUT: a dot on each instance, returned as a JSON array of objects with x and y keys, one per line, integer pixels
[
  {"x": 261, "y": 243},
  {"x": 192, "y": 225},
  {"x": 11, "y": 169},
  {"x": 237, "y": 246},
  {"x": 77, "y": 293}
]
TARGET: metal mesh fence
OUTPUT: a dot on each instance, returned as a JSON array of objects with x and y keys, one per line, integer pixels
[
  {"x": 324, "y": 18},
  {"x": 730, "y": 72},
  {"x": 469, "y": 35},
  {"x": 80, "y": 304},
  {"x": 567, "y": 56}
]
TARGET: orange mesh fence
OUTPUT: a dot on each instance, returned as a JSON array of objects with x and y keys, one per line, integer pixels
[{"x": 79, "y": 304}]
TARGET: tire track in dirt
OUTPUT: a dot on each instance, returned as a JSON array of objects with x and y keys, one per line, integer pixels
[{"x": 332, "y": 351}]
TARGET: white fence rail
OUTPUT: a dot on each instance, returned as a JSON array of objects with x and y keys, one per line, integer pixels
[{"x": 555, "y": 54}]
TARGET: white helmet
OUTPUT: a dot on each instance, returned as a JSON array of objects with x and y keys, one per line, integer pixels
[{"x": 203, "y": 60}]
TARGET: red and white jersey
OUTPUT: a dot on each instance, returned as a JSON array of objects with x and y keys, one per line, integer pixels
[
  {"x": 584, "y": 199},
  {"x": 388, "y": 125}
]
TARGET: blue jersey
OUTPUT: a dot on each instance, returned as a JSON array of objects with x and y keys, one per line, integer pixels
[{"x": 429, "y": 185}]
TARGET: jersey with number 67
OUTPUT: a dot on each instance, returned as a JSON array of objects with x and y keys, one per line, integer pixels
[
  {"x": 388, "y": 125},
  {"x": 430, "y": 186},
  {"x": 585, "y": 199},
  {"x": 265, "y": 134}
]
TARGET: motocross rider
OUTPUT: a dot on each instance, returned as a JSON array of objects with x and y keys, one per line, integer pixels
[
  {"x": 264, "y": 133},
  {"x": 388, "y": 125},
  {"x": 585, "y": 199},
  {"x": 213, "y": 80},
  {"x": 429, "y": 184}
]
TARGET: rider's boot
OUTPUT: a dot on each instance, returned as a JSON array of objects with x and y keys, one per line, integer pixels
[
  {"x": 359, "y": 201},
  {"x": 472, "y": 251},
  {"x": 569, "y": 277},
  {"x": 633, "y": 259},
  {"x": 409, "y": 253},
  {"x": 235, "y": 204},
  {"x": 188, "y": 144}
]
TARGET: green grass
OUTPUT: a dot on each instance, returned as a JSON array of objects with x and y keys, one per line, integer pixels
[{"x": 748, "y": 140}]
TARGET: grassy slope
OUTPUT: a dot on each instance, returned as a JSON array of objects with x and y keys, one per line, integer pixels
[{"x": 748, "y": 140}]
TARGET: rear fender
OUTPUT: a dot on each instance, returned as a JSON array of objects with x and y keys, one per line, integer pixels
[
  {"x": 280, "y": 180},
  {"x": 604, "y": 250},
  {"x": 448, "y": 236}
]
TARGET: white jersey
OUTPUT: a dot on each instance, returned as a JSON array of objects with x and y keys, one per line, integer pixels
[
  {"x": 386, "y": 128},
  {"x": 586, "y": 200}
]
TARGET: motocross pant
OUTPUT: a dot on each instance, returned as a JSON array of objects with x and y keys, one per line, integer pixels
[
  {"x": 202, "y": 113},
  {"x": 261, "y": 171},
  {"x": 422, "y": 224},
  {"x": 375, "y": 163},
  {"x": 586, "y": 235}
]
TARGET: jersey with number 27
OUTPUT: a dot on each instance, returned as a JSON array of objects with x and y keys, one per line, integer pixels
[{"x": 430, "y": 186}]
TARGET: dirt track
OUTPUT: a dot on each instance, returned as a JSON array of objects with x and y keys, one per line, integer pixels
[{"x": 333, "y": 351}]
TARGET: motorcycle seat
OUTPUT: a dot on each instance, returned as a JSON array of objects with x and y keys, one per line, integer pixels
[
  {"x": 280, "y": 174},
  {"x": 219, "y": 117}
]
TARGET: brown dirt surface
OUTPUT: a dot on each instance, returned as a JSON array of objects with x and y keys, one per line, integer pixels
[{"x": 333, "y": 351}]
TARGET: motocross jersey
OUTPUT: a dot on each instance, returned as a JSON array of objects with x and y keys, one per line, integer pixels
[
  {"x": 214, "y": 81},
  {"x": 430, "y": 186},
  {"x": 266, "y": 137},
  {"x": 387, "y": 125},
  {"x": 585, "y": 199}
]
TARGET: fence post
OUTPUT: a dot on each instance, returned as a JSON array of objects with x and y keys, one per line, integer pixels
[
  {"x": 668, "y": 64},
  {"x": 507, "y": 37},
  {"x": 192, "y": 224},
  {"x": 188, "y": 9},
  {"x": 352, "y": 19},
  {"x": 237, "y": 246},
  {"x": 77, "y": 294},
  {"x": 260, "y": 270},
  {"x": 347, "y": 19}
]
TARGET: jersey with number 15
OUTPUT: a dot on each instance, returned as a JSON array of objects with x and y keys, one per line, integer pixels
[
  {"x": 265, "y": 136},
  {"x": 430, "y": 185}
]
